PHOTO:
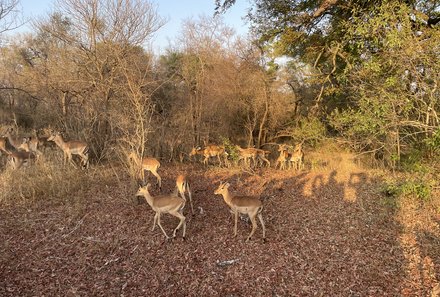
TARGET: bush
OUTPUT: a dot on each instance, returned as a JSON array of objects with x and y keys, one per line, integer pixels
[{"x": 419, "y": 189}]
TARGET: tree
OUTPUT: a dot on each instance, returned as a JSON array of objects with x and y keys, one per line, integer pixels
[
  {"x": 374, "y": 62},
  {"x": 90, "y": 55},
  {"x": 9, "y": 15}
]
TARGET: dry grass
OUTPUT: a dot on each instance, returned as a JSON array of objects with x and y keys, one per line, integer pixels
[{"x": 48, "y": 180}]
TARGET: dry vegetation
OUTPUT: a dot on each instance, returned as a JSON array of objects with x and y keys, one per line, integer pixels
[
  {"x": 330, "y": 232},
  {"x": 368, "y": 84}
]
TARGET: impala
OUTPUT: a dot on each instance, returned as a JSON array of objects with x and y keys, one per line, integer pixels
[
  {"x": 246, "y": 155},
  {"x": 171, "y": 204},
  {"x": 297, "y": 157},
  {"x": 249, "y": 205},
  {"x": 283, "y": 157},
  {"x": 34, "y": 142},
  {"x": 253, "y": 154},
  {"x": 19, "y": 158},
  {"x": 3, "y": 145},
  {"x": 14, "y": 141},
  {"x": 261, "y": 156},
  {"x": 211, "y": 150},
  {"x": 149, "y": 164},
  {"x": 182, "y": 186},
  {"x": 194, "y": 152},
  {"x": 43, "y": 140},
  {"x": 16, "y": 157},
  {"x": 72, "y": 147}
]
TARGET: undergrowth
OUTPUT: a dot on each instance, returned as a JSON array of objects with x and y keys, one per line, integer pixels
[{"x": 47, "y": 181}]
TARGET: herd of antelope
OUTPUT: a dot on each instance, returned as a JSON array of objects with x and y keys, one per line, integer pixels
[{"x": 22, "y": 151}]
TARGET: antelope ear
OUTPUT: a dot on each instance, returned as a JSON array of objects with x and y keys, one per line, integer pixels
[{"x": 227, "y": 185}]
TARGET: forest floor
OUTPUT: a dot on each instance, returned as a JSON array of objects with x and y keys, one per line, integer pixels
[{"x": 330, "y": 232}]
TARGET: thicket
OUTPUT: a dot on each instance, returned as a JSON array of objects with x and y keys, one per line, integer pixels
[{"x": 365, "y": 72}]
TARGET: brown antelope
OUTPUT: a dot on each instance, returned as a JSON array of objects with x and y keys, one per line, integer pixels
[
  {"x": 182, "y": 186},
  {"x": 19, "y": 158},
  {"x": 253, "y": 154},
  {"x": 34, "y": 142},
  {"x": 43, "y": 138},
  {"x": 246, "y": 155},
  {"x": 149, "y": 164},
  {"x": 211, "y": 150},
  {"x": 194, "y": 152},
  {"x": 249, "y": 205},
  {"x": 14, "y": 141},
  {"x": 15, "y": 157},
  {"x": 261, "y": 156},
  {"x": 171, "y": 204},
  {"x": 283, "y": 157},
  {"x": 297, "y": 157},
  {"x": 29, "y": 144},
  {"x": 72, "y": 147},
  {"x": 3, "y": 145}
]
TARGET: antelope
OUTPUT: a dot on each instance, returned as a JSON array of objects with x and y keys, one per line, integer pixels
[
  {"x": 249, "y": 205},
  {"x": 171, "y": 204},
  {"x": 297, "y": 157},
  {"x": 3, "y": 145},
  {"x": 34, "y": 142},
  {"x": 211, "y": 150},
  {"x": 282, "y": 158},
  {"x": 149, "y": 164},
  {"x": 43, "y": 141},
  {"x": 194, "y": 152},
  {"x": 15, "y": 142},
  {"x": 72, "y": 147},
  {"x": 182, "y": 186},
  {"x": 261, "y": 155},
  {"x": 253, "y": 154},
  {"x": 18, "y": 158},
  {"x": 31, "y": 146},
  {"x": 246, "y": 155}
]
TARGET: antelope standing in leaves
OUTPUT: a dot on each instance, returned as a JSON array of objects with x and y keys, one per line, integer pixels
[
  {"x": 248, "y": 205},
  {"x": 148, "y": 164},
  {"x": 72, "y": 147},
  {"x": 182, "y": 186},
  {"x": 171, "y": 204}
]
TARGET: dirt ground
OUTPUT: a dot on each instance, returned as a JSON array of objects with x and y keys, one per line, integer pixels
[{"x": 329, "y": 233}]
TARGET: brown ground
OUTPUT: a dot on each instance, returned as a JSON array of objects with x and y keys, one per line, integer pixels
[{"x": 329, "y": 233}]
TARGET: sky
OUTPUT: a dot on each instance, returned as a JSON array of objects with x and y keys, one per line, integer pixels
[{"x": 175, "y": 11}]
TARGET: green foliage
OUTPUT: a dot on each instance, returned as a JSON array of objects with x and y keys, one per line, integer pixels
[
  {"x": 433, "y": 141},
  {"x": 383, "y": 110},
  {"x": 412, "y": 161},
  {"x": 230, "y": 148},
  {"x": 310, "y": 130},
  {"x": 419, "y": 189}
]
